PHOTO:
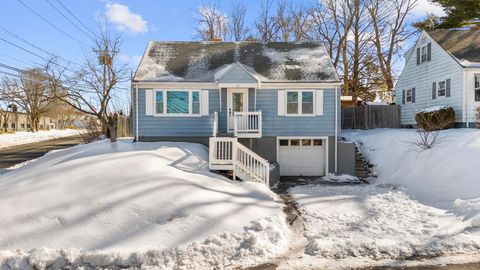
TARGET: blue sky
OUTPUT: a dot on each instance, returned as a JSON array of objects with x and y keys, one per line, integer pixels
[{"x": 138, "y": 20}]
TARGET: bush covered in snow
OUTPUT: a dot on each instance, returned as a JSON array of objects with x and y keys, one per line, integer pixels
[{"x": 436, "y": 118}]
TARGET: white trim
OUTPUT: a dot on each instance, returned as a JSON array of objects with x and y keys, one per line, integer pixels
[
  {"x": 300, "y": 102},
  {"x": 298, "y": 85},
  {"x": 325, "y": 138},
  {"x": 177, "y": 85},
  {"x": 268, "y": 85},
  {"x": 238, "y": 85},
  {"x": 165, "y": 105},
  {"x": 336, "y": 132},
  {"x": 229, "y": 104},
  {"x": 136, "y": 113}
]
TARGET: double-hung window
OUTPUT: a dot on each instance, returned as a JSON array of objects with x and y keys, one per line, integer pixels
[
  {"x": 424, "y": 54},
  {"x": 177, "y": 102},
  {"x": 477, "y": 87},
  {"x": 408, "y": 96},
  {"x": 441, "y": 91},
  {"x": 300, "y": 102}
]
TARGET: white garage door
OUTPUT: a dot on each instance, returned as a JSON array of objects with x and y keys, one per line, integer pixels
[{"x": 301, "y": 157}]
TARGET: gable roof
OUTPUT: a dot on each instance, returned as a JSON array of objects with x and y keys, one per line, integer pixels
[
  {"x": 464, "y": 45},
  {"x": 203, "y": 61}
]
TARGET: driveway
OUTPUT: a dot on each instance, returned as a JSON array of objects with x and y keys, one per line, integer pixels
[
  {"x": 297, "y": 256},
  {"x": 21, "y": 153}
]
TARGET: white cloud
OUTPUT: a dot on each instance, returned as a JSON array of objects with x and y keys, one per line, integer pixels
[
  {"x": 133, "y": 60},
  {"x": 125, "y": 19},
  {"x": 424, "y": 7}
]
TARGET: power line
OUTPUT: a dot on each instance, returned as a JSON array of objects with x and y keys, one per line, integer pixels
[
  {"x": 16, "y": 59},
  {"x": 68, "y": 19},
  {"x": 75, "y": 17},
  {"x": 51, "y": 24},
  {"x": 37, "y": 55},
  {"x": 35, "y": 46}
]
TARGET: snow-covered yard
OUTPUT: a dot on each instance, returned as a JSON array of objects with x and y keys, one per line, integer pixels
[
  {"x": 18, "y": 138},
  {"x": 424, "y": 204},
  {"x": 132, "y": 204}
]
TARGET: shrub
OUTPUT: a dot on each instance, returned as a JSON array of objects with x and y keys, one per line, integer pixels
[{"x": 436, "y": 118}]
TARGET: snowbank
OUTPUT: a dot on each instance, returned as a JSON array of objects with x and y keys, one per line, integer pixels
[
  {"x": 378, "y": 222},
  {"x": 445, "y": 176},
  {"x": 18, "y": 138},
  {"x": 434, "y": 109},
  {"x": 129, "y": 204}
]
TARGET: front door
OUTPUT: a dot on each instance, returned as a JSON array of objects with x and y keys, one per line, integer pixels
[{"x": 237, "y": 101}]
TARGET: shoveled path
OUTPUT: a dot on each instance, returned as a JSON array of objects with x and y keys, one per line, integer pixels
[
  {"x": 21, "y": 153},
  {"x": 299, "y": 241}
]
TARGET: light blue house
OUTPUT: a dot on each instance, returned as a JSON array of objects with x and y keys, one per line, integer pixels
[{"x": 251, "y": 103}]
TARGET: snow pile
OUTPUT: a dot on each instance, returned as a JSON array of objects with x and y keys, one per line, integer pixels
[
  {"x": 445, "y": 176},
  {"x": 434, "y": 109},
  {"x": 18, "y": 138},
  {"x": 378, "y": 222},
  {"x": 342, "y": 178},
  {"x": 129, "y": 204},
  {"x": 149, "y": 70}
]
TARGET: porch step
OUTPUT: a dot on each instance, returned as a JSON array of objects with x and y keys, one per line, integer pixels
[
  {"x": 225, "y": 135},
  {"x": 363, "y": 169}
]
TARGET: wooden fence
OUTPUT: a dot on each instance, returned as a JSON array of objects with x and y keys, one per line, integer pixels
[
  {"x": 371, "y": 116},
  {"x": 124, "y": 126}
]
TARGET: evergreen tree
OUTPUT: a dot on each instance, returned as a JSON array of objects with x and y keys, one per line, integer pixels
[{"x": 459, "y": 12}]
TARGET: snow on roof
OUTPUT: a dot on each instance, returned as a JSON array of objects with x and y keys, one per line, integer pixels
[
  {"x": 206, "y": 61},
  {"x": 434, "y": 108}
]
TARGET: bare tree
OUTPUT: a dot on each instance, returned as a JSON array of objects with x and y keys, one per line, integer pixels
[
  {"x": 90, "y": 91},
  {"x": 266, "y": 24},
  {"x": 238, "y": 29},
  {"x": 211, "y": 22},
  {"x": 302, "y": 21},
  {"x": 284, "y": 20},
  {"x": 388, "y": 19},
  {"x": 30, "y": 93}
]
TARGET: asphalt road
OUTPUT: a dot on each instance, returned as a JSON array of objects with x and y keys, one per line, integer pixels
[{"x": 21, "y": 153}]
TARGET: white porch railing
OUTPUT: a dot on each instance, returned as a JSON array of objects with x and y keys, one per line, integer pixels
[
  {"x": 228, "y": 154},
  {"x": 221, "y": 153},
  {"x": 249, "y": 166},
  {"x": 247, "y": 124}
]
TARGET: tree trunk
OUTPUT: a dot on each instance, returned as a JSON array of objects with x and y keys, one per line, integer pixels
[{"x": 112, "y": 127}]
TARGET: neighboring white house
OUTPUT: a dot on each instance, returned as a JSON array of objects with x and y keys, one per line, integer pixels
[{"x": 443, "y": 68}]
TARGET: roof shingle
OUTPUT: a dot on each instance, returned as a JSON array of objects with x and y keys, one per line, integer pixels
[
  {"x": 199, "y": 61},
  {"x": 463, "y": 44}
]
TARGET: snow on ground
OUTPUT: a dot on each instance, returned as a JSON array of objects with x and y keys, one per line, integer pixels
[
  {"x": 446, "y": 176},
  {"x": 135, "y": 204},
  {"x": 18, "y": 138},
  {"x": 423, "y": 204}
]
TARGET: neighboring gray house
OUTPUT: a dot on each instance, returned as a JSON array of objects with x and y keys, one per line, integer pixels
[
  {"x": 442, "y": 69},
  {"x": 250, "y": 103}
]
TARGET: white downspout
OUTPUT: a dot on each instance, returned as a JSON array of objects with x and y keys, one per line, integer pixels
[
  {"x": 136, "y": 113},
  {"x": 465, "y": 97},
  {"x": 336, "y": 129}
]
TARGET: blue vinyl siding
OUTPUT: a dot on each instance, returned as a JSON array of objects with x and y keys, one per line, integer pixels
[
  {"x": 275, "y": 125},
  {"x": 176, "y": 126},
  {"x": 267, "y": 101},
  {"x": 238, "y": 75}
]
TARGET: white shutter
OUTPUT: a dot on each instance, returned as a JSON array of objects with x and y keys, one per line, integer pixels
[
  {"x": 319, "y": 102},
  {"x": 281, "y": 102},
  {"x": 204, "y": 103},
  {"x": 149, "y": 100}
]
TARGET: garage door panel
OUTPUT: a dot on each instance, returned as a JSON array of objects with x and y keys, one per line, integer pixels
[{"x": 302, "y": 160}]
